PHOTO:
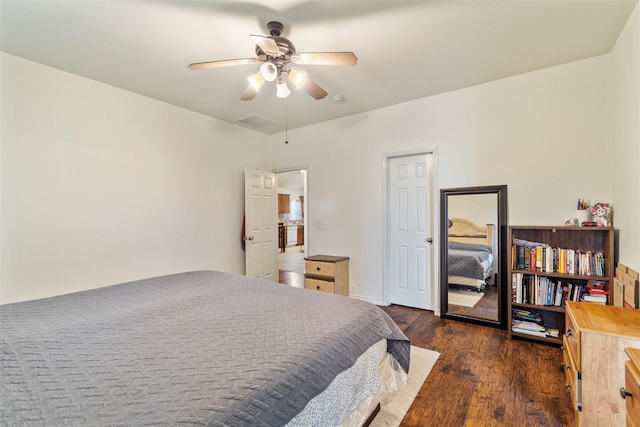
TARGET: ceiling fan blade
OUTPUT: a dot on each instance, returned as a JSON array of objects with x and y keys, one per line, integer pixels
[
  {"x": 313, "y": 89},
  {"x": 249, "y": 93},
  {"x": 301, "y": 81},
  {"x": 255, "y": 83},
  {"x": 222, "y": 63},
  {"x": 267, "y": 44},
  {"x": 325, "y": 58}
]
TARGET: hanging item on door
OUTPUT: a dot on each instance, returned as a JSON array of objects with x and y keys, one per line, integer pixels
[{"x": 242, "y": 234}]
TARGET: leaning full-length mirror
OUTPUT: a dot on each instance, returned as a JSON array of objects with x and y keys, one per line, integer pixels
[{"x": 473, "y": 222}]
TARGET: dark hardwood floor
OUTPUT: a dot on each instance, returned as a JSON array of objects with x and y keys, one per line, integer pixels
[{"x": 482, "y": 378}]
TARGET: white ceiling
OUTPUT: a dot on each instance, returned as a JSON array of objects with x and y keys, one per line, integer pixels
[{"x": 406, "y": 49}]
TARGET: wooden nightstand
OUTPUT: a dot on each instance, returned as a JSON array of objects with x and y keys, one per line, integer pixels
[
  {"x": 327, "y": 273},
  {"x": 594, "y": 356}
]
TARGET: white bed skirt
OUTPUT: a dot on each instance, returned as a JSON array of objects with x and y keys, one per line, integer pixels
[{"x": 353, "y": 395}]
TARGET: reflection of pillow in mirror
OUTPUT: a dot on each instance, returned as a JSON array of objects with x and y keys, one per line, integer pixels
[{"x": 469, "y": 246}]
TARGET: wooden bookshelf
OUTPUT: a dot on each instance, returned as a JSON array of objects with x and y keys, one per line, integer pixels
[{"x": 592, "y": 246}]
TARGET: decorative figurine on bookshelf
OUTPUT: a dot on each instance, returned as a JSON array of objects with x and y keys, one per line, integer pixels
[
  {"x": 601, "y": 214},
  {"x": 583, "y": 212}
]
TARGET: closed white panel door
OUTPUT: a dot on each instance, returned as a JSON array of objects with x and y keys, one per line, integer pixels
[
  {"x": 410, "y": 257},
  {"x": 261, "y": 224}
]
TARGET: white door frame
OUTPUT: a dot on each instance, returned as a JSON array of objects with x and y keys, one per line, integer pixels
[
  {"x": 435, "y": 213},
  {"x": 304, "y": 204}
]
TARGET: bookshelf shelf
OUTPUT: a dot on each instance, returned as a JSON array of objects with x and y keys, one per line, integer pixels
[
  {"x": 559, "y": 275},
  {"x": 559, "y": 267},
  {"x": 535, "y": 307},
  {"x": 551, "y": 340}
]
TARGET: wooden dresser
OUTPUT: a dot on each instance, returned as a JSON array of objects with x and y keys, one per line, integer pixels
[
  {"x": 327, "y": 273},
  {"x": 594, "y": 359},
  {"x": 631, "y": 390}
]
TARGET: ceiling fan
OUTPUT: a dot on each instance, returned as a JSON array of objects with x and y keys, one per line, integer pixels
[{"x": 277, "y": 55}]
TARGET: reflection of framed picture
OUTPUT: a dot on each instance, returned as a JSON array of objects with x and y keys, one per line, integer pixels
[{"x": 601, "y": 214}]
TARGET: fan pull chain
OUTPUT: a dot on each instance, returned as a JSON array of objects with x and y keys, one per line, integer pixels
[{"x": 286, "y": 123}]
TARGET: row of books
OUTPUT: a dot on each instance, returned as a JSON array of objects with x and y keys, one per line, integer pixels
[
  {"x": 535, "y": 256},
  {"x": 542, "y": 290},
  {"x": 530, "y": 323}
]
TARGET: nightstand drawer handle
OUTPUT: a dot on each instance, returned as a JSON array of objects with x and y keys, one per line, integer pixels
[
  {"x": 318, "y": 287},
  {"x": 624, "y": 393}
]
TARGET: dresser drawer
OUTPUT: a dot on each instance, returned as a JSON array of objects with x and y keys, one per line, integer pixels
[
  {"x": 320, "y": 285},
  {"x": 319, "y": 268},
  {"x": 571, "y": 375},
  {"x": 572, "y": 336},
  {"x": 632, "y": 385}
]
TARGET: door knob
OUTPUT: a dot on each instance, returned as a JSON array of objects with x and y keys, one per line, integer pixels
[
  {"x": 429, "y": 240},
  {"x": 248, "y": 237}
]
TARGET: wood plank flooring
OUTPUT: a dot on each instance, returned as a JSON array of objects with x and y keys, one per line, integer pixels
[{"x": 482, "y": 378}]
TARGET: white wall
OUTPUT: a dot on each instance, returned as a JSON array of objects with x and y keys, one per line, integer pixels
[
  {"x": 625, "y": 140},
  {"x": 101, "y": 186},
  {"x": 544, "y": 134},
  {"x": 481, "y": 209}
]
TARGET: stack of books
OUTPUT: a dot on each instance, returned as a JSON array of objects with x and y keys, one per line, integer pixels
[
  {"x": 530, "y": 323},
  {"x": 598, "y": 296}
]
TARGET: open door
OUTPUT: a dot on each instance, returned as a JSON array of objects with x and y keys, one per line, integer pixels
[{"x": 261, "y": 224}]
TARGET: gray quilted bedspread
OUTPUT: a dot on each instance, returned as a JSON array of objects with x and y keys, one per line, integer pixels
[
  {"x": 469, "y": 260},
  {"x": 198, "y": 348}
]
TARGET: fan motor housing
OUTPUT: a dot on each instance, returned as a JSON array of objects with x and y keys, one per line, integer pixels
[{"x": 286, "y": 48}]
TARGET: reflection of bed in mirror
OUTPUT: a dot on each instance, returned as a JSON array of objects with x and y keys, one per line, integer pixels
[{"x": 470, "y": 253}]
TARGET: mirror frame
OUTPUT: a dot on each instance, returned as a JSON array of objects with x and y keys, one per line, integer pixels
[{"x": 503, "y": 249}]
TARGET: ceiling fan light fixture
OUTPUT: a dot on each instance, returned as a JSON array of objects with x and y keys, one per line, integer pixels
[
  {"x": 297, "y": 77},
  {"x": 282, "y": 90},
  {"x": 269, "y": 71}
]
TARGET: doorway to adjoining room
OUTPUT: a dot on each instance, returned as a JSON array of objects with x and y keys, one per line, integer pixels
[{"x": 291, "y": 226}]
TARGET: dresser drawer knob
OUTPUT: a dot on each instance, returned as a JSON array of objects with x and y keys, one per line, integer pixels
[
  {"x": 318, "y": 287},
  {"x": 318, "y": 268},
  {"x": 624, "y": 393},
  {"x": 568, "y": 333}
]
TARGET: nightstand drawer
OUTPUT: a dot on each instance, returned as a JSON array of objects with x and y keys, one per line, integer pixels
[
  {"x": 319, "y": 268},
  {"x": 320, "y": 285},
  {"x": 632, "y": 385},
  {"x": 571, "y": 375},
  {"x": 573, "y": 341}
]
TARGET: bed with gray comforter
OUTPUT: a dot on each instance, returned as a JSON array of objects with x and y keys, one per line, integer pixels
[
  {"x": 469, "y": 260},
  {"x": 198, "y": 348}
]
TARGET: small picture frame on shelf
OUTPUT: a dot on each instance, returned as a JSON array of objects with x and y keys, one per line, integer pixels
[{"x": 601, "y": 214}]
